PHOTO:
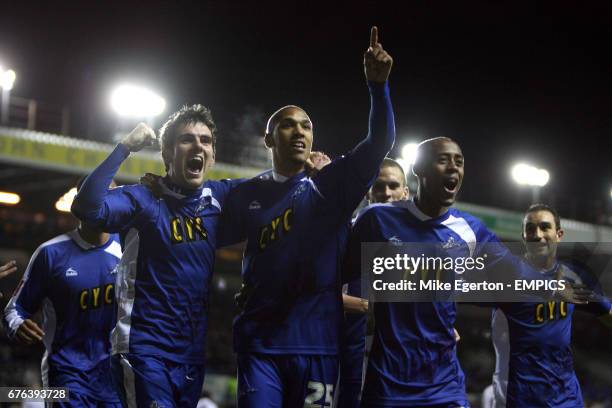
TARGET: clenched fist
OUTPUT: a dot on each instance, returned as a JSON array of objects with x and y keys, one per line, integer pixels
[{"x": 142, "y": 136}]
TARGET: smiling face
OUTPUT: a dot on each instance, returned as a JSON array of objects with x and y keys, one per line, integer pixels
[
  {"x": 191, "y": 156},
  {"x": 541, "y": 235},
  {"x": 440, "y": 171},
  {"x": 289, "y": 135}
]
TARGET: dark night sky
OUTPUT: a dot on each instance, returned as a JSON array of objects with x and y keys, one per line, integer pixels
[{"x": 508, "y": 81}]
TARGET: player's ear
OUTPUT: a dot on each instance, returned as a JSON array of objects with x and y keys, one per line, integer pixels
[
  {"x": 560, "y": 233},
  {"x": 269, "y": 140},
  {"x": 405, "y": 194}
]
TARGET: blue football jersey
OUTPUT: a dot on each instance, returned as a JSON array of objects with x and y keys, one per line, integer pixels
[
  {"x": 73, "y": 282},
  {"x": 540, "y": 369},
  {"x": 169, "y": 252},
  {"x": 296, "y": 230},
  {"x": 413, "y": 359}
]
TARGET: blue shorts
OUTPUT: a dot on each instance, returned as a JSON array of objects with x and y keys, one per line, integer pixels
[
  {"x": 86, "y": 388},
  {"x": 148, "y": 381},
  {"x": 267, "y": 380}
]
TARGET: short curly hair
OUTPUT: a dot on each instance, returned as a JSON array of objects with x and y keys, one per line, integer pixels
[{"x": 188, "y": 114}]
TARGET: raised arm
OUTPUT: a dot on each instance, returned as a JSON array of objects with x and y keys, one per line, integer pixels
[
  {"x": 93, "y": 204},
  {"x": 381, "y": 131},
  {"x": 348, "y": 178}
]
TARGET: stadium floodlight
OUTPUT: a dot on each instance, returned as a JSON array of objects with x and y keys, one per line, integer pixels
[
  {"x": 136, "y": 102},
  {"x": 409, "y": 152},
  {"x": 64, "y": 203},
  {"x": 7, "y": 79},
  {"x": 528, "y": 175},
  {"x": 9, "y": 198}
]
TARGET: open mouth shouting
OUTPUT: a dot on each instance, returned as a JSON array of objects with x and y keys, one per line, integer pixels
[
  {"x": 451, "y": 185},
  {"x": 194, "y": 166}
]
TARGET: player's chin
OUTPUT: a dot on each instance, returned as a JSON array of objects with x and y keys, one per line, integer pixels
[
  {"x": 538, "y": 250},
  {"x": 194, "y": 182},
  {"x": 299, "y": 158},
  {"x": 448, "y": 201}
]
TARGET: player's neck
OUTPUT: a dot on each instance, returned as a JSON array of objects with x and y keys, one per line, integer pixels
[
  {"x": 287, "y": 169},
  {"x": 542, "y": 263},
  {"x": 93, "y": 236},
  {"x": 429, "y": 207}
]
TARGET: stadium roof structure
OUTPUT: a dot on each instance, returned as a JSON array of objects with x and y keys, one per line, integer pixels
[{"x": 41, "y": 167}]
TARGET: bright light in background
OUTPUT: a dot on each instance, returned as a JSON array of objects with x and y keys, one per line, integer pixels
[
  {"x": 7, "y": 79},
  {"x": 528, "y": 175},
  {"x": 409, "y": 153},
  {"x": 136, "y": 102},
  {"x": 65, "y": 201},
  {"x": 9, "y": 198},
  {"x": 405, "y": 165}
]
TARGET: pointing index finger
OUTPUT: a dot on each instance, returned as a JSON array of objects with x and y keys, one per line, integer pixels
[{"x": 373, "y": 36}]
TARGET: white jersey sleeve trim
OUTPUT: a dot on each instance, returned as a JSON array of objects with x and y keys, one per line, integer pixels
[
  {"x": 501, "y": 345},
  {"x": 11, "y": 315},
  {"x": 125, "y": 292},
  {"x": 207, "y": 192},
  {"x": 114, "y": 249},
  {"x": 49, "y": 327},
  {"x": 463, "y": 229},
  {"x": 369, "y": 207}
]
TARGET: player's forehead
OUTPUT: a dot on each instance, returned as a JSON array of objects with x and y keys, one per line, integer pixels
[
  {"x": 430, "y": 150},
  {"x": 193, "y": 128},
  {"x": 292, "y": 113},
  {"x": 446, "y": 147},
  {"x": 539, "y": 217},
  {"x": 389, "y": 173}
]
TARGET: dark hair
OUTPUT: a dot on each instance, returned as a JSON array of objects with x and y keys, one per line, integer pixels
[
  {"x": 545, "y": 207},
  {"x": 186, "y": 115},
  {"x": 387, "y": 162}
]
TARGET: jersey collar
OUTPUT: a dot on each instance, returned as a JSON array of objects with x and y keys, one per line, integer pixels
[
  {"x": 279, "y": 178},
  {"x": 76, "y": 237},
  {"x": 416, "y": 212},
  {"x": 172, "y": 190}
]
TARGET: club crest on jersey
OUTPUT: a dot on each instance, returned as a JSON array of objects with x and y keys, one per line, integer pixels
[
  {"x": 204, "y": 202},
  {"x": 394, "y": 240},
  {"x": 71, "y": 272},
  {"x": 450, "y": 243},
  {"x": 301, "y": 188},
  {"x": 254, "y": 205}
]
